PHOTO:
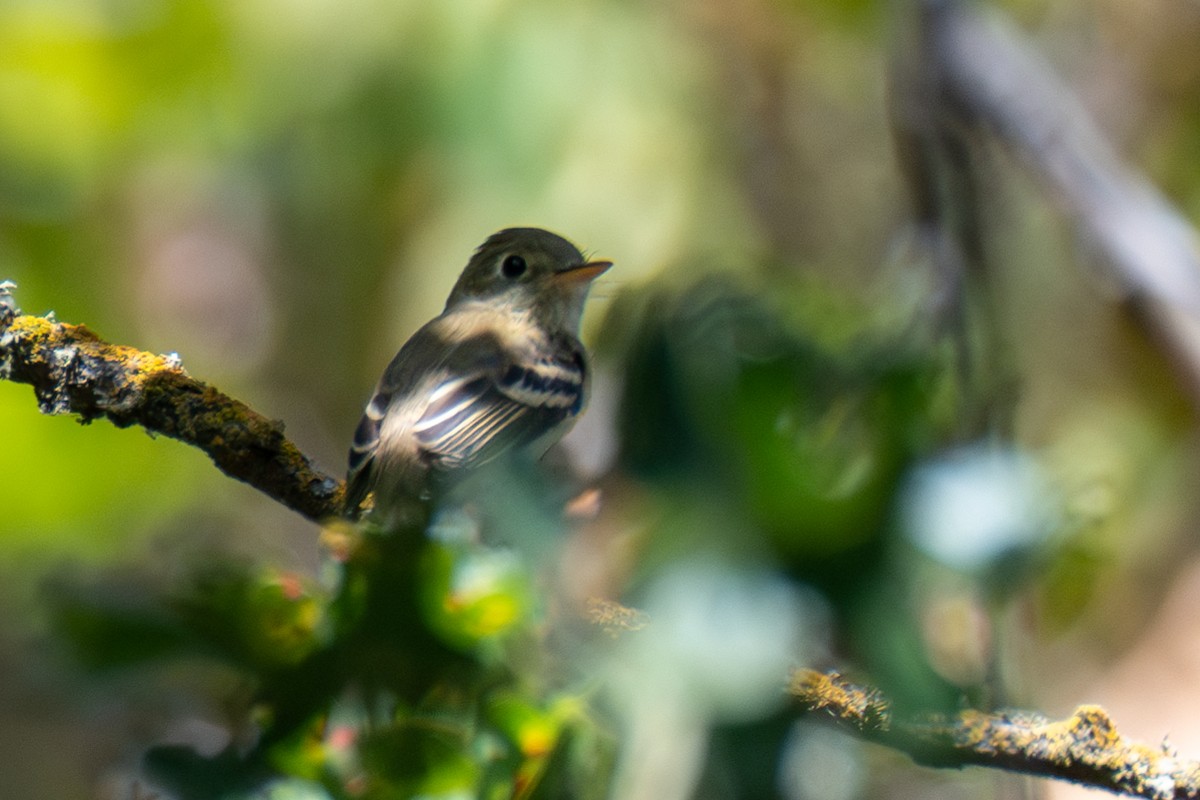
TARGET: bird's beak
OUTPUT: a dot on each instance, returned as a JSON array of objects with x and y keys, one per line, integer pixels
[{"x": 582, "y": 273}]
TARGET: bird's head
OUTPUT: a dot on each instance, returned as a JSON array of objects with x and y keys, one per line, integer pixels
[{"x": 529, "y": 269}]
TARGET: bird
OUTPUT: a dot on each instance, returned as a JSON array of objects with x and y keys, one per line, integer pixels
[{"x": 500, "y": 372}]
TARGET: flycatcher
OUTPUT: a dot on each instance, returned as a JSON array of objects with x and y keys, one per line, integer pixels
[{"x": 500, "y": 372}]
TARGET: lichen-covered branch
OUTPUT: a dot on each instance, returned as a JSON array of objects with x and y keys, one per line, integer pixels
[
  {"x": 74, "y": 371},
  {"x": 1085, "y": 748}
]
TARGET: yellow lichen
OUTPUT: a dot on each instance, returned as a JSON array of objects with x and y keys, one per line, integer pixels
[
  {"x": 1093, "y": 725},
  {"x": 28, "y": 326},
  {"x": 615, "y": 618},
  {"x": 819, "y": 691}
]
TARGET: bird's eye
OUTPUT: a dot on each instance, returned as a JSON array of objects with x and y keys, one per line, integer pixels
[{"x": 513, "y": 266}]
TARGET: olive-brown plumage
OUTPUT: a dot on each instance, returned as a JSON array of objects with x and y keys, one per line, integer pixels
[{"x": 500, "y": 370}]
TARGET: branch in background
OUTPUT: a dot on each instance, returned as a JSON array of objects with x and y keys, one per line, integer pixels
[
  {"x": 1085, "y": 748},
  {"x": 981, "y": 75},
  {"x": 73, "y": 371},
  {"x": 938, "y": 159}
]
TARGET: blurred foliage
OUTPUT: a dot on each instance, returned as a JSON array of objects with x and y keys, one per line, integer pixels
[
  {"x": 776, "y": 461},
  {"x": 282, "y": 192},
  {"x": 368, "y": 690}
]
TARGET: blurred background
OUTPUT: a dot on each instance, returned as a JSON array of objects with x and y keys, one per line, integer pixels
[{"x": 281, "y": 192}]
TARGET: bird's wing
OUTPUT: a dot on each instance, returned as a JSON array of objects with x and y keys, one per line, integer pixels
[
  {"x": 471, "y": 419},
  {"x": 487, "y": 402},
  {"x": 359, "y": 477},
  {"x": 402, "y": 376}
]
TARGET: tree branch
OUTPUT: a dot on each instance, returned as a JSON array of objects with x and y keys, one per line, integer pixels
[
  {"x": 1084, "y": 748},
  {"x": 971, "y": 71},
  {"x": 73, "y": 371}
]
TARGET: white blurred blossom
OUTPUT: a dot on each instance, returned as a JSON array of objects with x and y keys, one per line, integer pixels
[
  {"x": 820, "y": 764},
  {"x": 718, "y": 648},
  {"x": 977, "y": 504}
]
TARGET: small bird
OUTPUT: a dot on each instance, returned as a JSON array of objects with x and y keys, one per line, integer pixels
[{"x": 501, "y": 371}]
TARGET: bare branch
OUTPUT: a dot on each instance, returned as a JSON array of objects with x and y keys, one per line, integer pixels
[
  {"x": 979, "y": 73},
  {"x": 73, "y": 371},
  {"x": 1084, "y": 748}
]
